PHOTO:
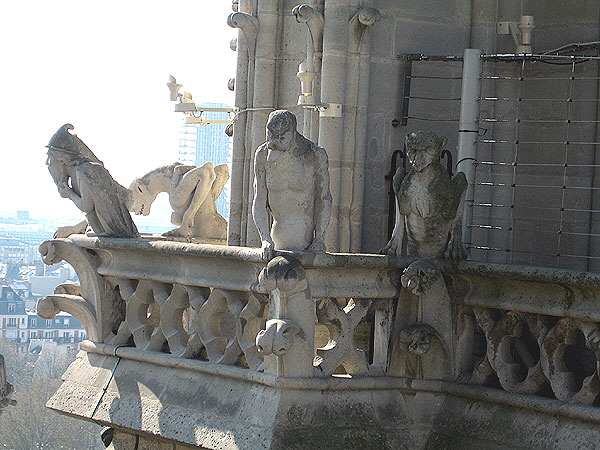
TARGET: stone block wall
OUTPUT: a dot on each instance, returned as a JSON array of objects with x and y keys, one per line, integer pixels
[{"x": 360, "y": 66}]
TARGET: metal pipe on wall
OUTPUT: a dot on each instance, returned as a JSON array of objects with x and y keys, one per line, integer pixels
[
  {"x": 310, "y": 69},
  {"x": 313, "y": 118},
  {"x": 365, "y": 18},
  {"x": 468, "y": 129}
]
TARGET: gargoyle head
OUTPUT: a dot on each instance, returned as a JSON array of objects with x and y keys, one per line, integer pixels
[
  {"x": 141, "y": 198},
  {"x": 423, "y": 148},
  {"x": 281, "y": 130},
  {"x": 417, "y": 338}
]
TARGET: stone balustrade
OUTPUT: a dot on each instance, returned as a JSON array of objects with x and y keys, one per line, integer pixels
[
  {"x": 532, "y": 331},
  {"x": 210, "y": 302},
  {"x": 325, "y": 325}
]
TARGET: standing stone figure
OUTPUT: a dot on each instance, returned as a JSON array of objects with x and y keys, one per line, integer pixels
[
  {"x": 429, "y": 203},
  {"x": 80, "y": 176},
  {"x": 291, "y": 182}
]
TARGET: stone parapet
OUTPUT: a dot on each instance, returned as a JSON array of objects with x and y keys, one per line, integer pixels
[{"x": 211, "y": 347}]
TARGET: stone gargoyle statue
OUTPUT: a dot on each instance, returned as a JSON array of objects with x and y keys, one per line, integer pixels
[
  {"x": 429, "y": 210},
  {"x": 429, "y": 203},
  {"x": 81, "y": 177},
  {"x": 192, "y": 191},
  {"x": 291, "y": 186},
  {"x": 5, "y": 387}
]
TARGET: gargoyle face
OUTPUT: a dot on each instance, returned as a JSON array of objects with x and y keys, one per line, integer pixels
[
  {"x": 423, "y": 148},
  {"x": 141, "y": 198},
  {"x": 419, "y": 159},
  {"x": 280, "y": 141},
  {"x": 420, "y": 345}
]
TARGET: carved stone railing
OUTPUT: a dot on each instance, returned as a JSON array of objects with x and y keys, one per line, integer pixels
[
  {"x": 528, "y": 331},
  {"x": 331, "y": 328},
  {"x": 225, "y": 305},
  {"x": 523, "y": 330}
]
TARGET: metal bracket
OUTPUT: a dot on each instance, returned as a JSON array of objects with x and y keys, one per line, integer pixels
[
  {"x": 330, "y": 110},
  {"x": 503, "y": 28}
]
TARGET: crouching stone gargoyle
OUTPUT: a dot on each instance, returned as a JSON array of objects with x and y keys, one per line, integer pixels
[
  {"x": 192, "y": 191},
  {"x": 81, "y": 177},
  {"x": 428, "y": 209}
]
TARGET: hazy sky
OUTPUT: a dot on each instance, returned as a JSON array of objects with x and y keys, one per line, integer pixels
[{"x": 102, "y": 66}]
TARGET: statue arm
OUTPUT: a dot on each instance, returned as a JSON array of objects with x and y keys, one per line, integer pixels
[
  {"x": 260, "y": 203},
  {"x": 323, "y": 200},
  {"x": 455, "y": 250},
  {"x": 83, "y": 201},
  {"x": 394, "y": 246}
]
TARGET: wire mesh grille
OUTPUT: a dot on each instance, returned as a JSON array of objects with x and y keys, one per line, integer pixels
[
  {"x": 536, "y": 198},
  {"x": 537, "y": 178}
]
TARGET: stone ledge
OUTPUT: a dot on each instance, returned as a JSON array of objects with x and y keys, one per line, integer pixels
[{"x": 224, "y": 407}]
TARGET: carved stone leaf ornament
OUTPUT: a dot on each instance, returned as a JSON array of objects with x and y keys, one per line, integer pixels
[
  {"x": 143, "y": 315},
  {"x": 174, "y": 319},
  {"x": 191, "y": 318},
  {"x": 217, "y": 330},
  {"x": 527, "y": 353},
  {"x": 507, "y": 344},
  {"x": 251, "y": 322}
]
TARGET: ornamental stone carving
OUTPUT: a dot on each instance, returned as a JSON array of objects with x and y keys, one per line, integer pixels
[
  {"x": 291, "y": 185},
  {"x": 277, "y": 338},
  {"x": 192, "y": 191},
  {"x": 81, "y": 177},
  {"x": 291, "y": 313},
  {"x": 429, "y": 203}
]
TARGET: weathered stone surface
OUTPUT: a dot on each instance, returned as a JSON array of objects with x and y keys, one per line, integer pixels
[
  {"x": 292, "y": 185},
  {"x": 429, "y": 203},
  {"x": 200, "y": 408},
  {"x": 192, "y": 191},
  {"x": 471, "y": 424},
  {"x": 81, "y": 177},
  {"x": 204, "y": 406}
]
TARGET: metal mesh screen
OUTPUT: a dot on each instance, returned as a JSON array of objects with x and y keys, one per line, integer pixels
[{"x": 536, "y": 198}]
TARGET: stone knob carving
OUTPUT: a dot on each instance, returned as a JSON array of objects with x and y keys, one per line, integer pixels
[
  {"x": 303, "y": 13},
  {"x": 284, "y": 273},
  {"x": 277, "y": 338}
]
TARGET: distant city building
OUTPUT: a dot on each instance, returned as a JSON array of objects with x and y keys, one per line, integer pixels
[
  {"x": 20, "y": 325},
  {"x": 20, "y": 238},
  {"x": 199, "y": 144},
  {"x": 13, "y": 250},
  {"x": 22, "y": 215}
]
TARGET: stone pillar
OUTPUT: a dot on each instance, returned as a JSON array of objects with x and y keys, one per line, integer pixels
[
  {"x": 243, "y": 91},
  {"x": 333, "y": 88}
]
